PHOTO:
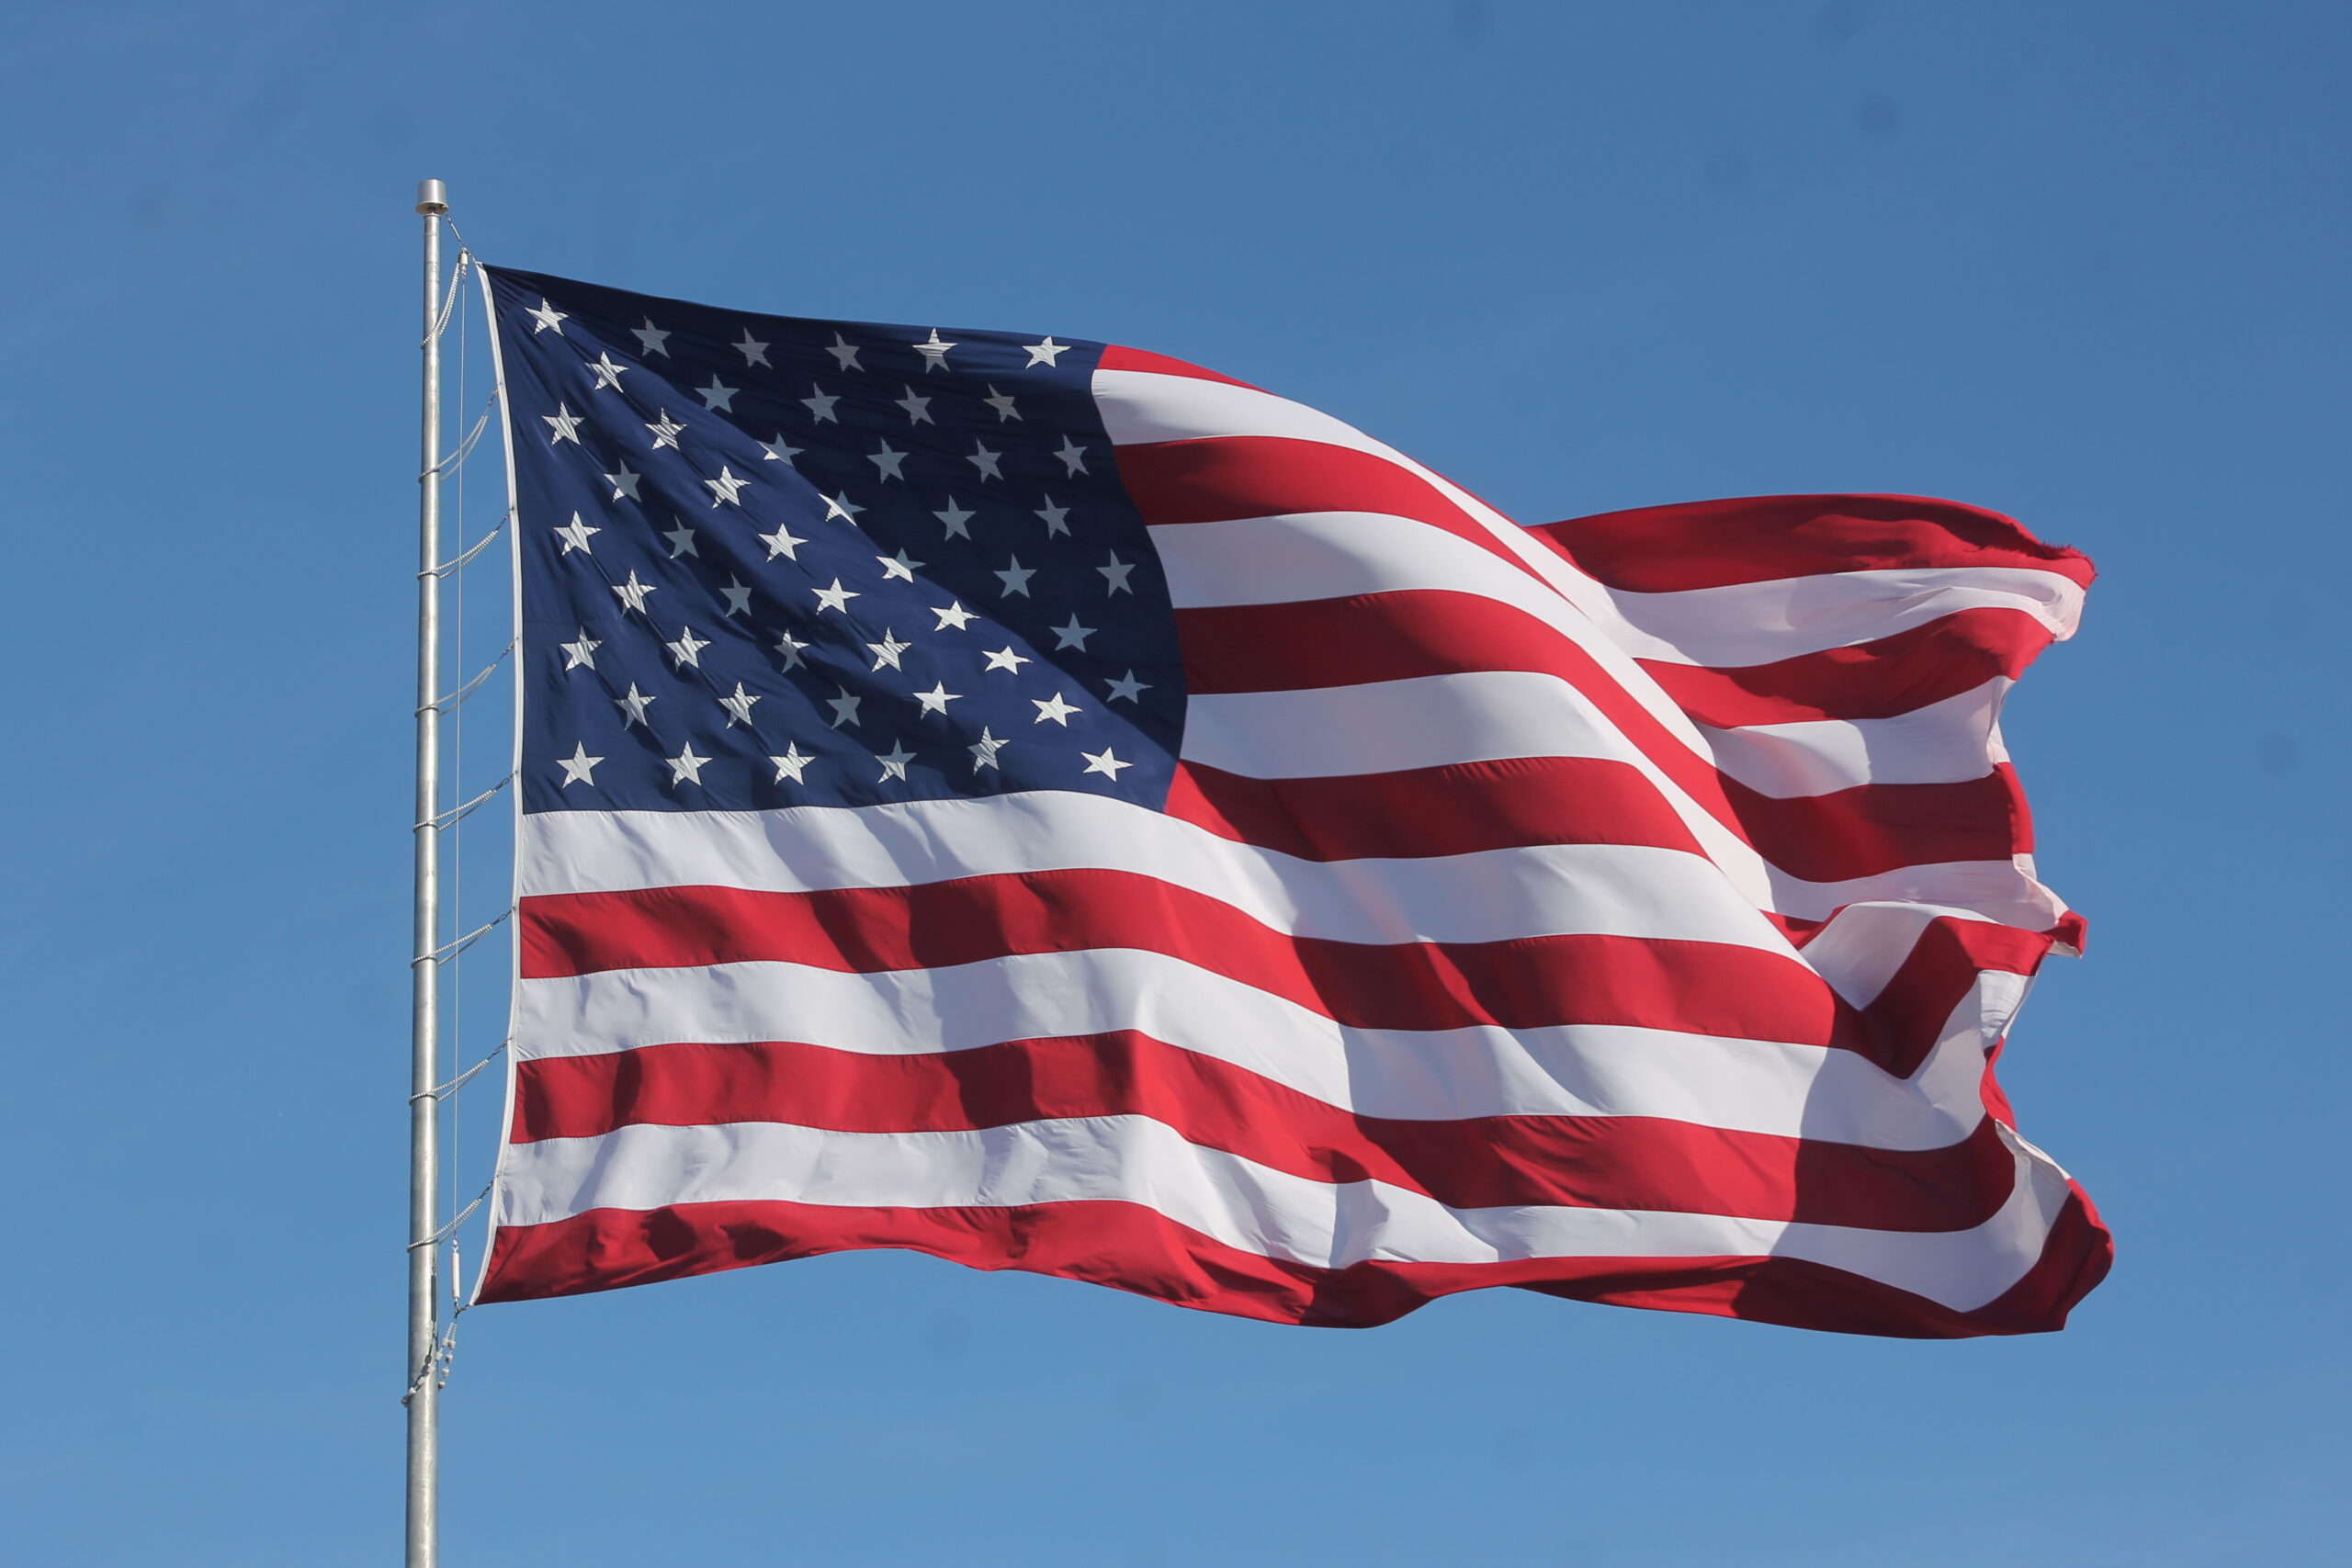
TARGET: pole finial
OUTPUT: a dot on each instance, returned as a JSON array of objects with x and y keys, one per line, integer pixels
[{"x": 432, "y": 197}]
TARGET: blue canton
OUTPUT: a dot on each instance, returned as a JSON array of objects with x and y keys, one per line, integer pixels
[{"x": 770, "y": 562}]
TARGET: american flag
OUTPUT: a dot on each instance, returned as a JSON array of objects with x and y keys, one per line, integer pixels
[{"x": 1052, "y": 807}]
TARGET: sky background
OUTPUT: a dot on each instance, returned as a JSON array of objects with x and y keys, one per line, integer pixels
[{"x": 2081, "y": 263}]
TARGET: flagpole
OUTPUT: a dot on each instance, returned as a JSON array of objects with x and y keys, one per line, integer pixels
[{"x": 424, "y": 1105}]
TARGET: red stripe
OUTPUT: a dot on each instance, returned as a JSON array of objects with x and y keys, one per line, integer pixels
[
  {"x": 1697, "y": 988},
  {"x": 1903, "y": 1021},
  {"x": 1713, "y": 544},
  {"x": 1861, "y": 832},
  {"x": 1893, "y": 675},
  {"x": 1871, "y": 828},
  {"x": 1458, "y": 809},
  {"x": 1609, "y": 1162},
  {"x": 1219, "y": 479},
  {"x": 1115, "y": 357},
  {"x": 1137, "y": 1249}
]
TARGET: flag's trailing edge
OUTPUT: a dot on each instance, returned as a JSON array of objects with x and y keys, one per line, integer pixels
[{"x": 1054, "y": 807}]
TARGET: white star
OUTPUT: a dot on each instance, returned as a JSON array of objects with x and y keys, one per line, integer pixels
[
  {"x": 840, "y": 506},
  {"x": 1072, "y": 635},
  {"x": 984, "y": 461},
  {"x": 820, "y": 407},
  {"x": 633, "y": 593},
  {"x": 934, "y": 351},
  {"x": 685, "y": 767},
  {"x": 546, "y": 316},
  {"x": 1058, "y": 710},
  {"x": 575, "y": 534},
  {"x": 937, "y": 698},
  {"x": 782, "y": 542},
  {"x": 1056, "y": 517},
  {"x": 721, "y": 396},
  {"x": 898, "y": 566},
  {"x": 624, "y": 483},
  {"x": 888, "y": 650},
  {"x": 887, "y": 462},
  {"x": 653, "y": 337},
  {"x": 633, "y": 706},
  {"x": 1073, "y": 455},
  {"x": 1128, "y": 688},
  {"x": 753, "y": 353},
  {"x": 1002, "y": 404},
  {"x": 1016, "y": 577},
  {"x": 1004, "y": 659},
  {"x": 726, "y": 487},
  {"x": 665, "y": 433},
  {"x": 739, "y": 706},
  {"x": 951, "y": 614},
  {"x": 836, "y": 597},
  {"x": 845, "y": 707},
  {"x": 1117, "y": 573},
  {"x": 984, "y": 752},
  {"x": 1104, "y": 764},
  {"x": 893, "y": 762},
  {"x": 777, "y": 452},
  {"x": 844, "y": 354},
  {"x": 790, "y": 647},
  {"x": 918, "y": 409},
  {"x": 688, "y": 648},
  {"x": 607, "y": 373},
  {"x": 578, "y": 768},
  {"x": 790, "y": 765},
  {"x": 682, "y": 540},
  {"x": 955, "y": 517},
  {"x": 564, "y": 425},
  {"x": 1045, "y": 353},
  {"x": 737, "y": 596},
  {"x": 577, "y": 655}
]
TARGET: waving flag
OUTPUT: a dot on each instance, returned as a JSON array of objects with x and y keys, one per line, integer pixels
[{"x": 1055, "y": 808}]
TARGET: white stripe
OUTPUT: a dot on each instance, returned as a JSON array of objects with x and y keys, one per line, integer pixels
[
  {"x": 1475, "y": 716},
  {"x": 1489, "y": 896},
  {"x": 1944, "y": 742},
  {"x": 1770, "y": 1087},
  {"x": 1335, "y": 555},
  {"x": 1759, "y": 623},
  {"x": 1230, "y": 1200},
  {"x": 1423, "y": 721},
  {"x": 1140, "y": 407},
  {"x": 2000, "y": 890}
]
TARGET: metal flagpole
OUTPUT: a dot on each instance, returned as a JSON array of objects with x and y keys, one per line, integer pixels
[{"x": 424, "y": 1105}]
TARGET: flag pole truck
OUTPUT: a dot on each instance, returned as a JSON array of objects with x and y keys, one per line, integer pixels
[{"x": 425, "y": 1101}]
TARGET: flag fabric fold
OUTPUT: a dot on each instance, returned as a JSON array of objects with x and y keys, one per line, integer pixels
[{"x": 1052, "y": 807}]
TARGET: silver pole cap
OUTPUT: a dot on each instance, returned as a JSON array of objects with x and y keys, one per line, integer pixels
[{"x": 432, "y": 197}]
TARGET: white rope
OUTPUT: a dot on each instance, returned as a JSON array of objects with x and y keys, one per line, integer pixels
[
  {"x": 437, "y": 1237},
  {"x": 444, "y": 1091},
  {"x": 454, "y": 462},
  {"x": 447, "y": 951},
  {"x": 456, "y": 814},
  {"x": 457, "y": 277},
  {"x": 445, "y": 704},
  {"x": 455, "y": 562},
  {"x": 443, "y": 1355}
]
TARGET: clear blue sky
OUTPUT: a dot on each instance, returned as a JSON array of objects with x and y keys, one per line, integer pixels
[{"x": 2083, "y": 263}]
